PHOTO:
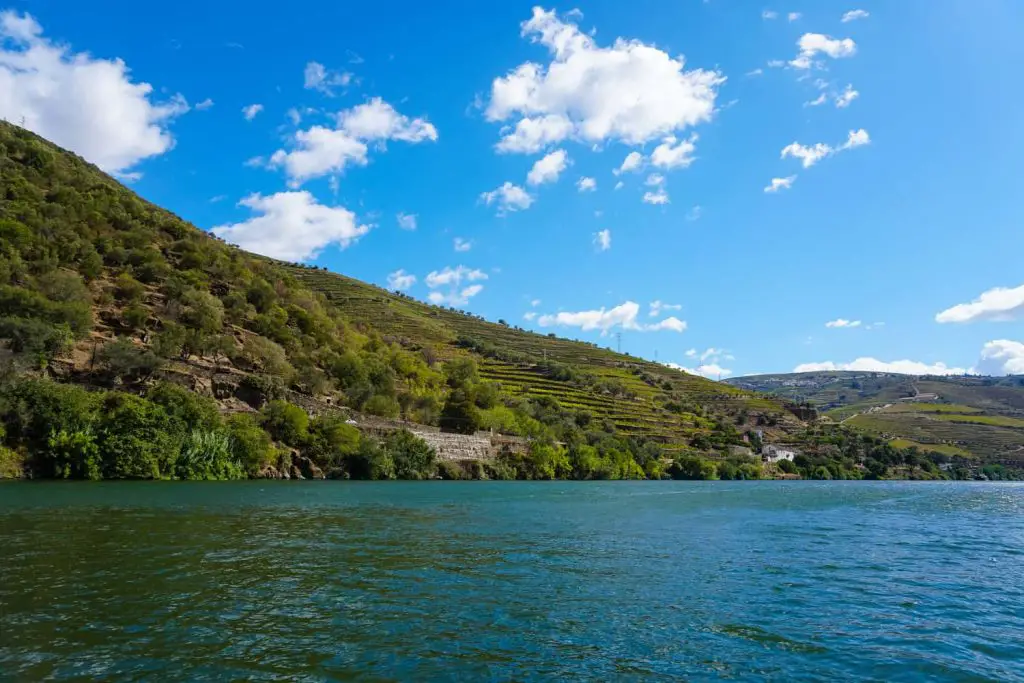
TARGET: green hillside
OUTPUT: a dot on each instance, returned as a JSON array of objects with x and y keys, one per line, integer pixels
[
  {"x": 133, "y": 344},
  {"x": 981, "y": 417}
]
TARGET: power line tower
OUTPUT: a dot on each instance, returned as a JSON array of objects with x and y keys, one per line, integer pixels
[{"x": 618, "y": 338}]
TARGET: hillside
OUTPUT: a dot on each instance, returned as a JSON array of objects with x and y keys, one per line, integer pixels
[
  {"x": 981, "y": 417},
  {"x": 136, "y": 345}
]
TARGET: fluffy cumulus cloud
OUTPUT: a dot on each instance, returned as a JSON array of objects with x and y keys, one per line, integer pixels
[
  {"x": 548, "y": 168},
  {"x": 292, "y": 226},
  {"x": 710, "y": 371},
  {"x": 88, "y": 105},
  {"x": 842, "y": 322},
  {"x": 251, "y": 111},
  {"x": 623, "y": 316},
  {"x": 321, "y": 150},
  {"x": 628, "y": 91},
  {"x": 846, "y": 98},
  {"x": 780, "y": 184},
  {"x": 1000, "y": 304},
  {"x": 659, "y": 196},
  {"x": 854, "y": 15},
  {"x": 673, "y": 153},
  {"x": 813, "y": 44},
  {"x": 318, "y": 77},
  {"x": 586, "y": 184},
  {"x": 904, "y": 367},
  {"x": 812, "y": 154},
  {"x": 401, "y": 280},
  {"x": 1002, "y": 357},
  {"x": 633, "y": 162},
  {"x": 450, "y": 286},
  {"x": 508, "y": 198},
  {"x": 603, "y": 240},
  {"x": 406, "y": 221}
]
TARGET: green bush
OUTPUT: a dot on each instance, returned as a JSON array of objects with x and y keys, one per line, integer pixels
[
  {"x": 251, "y": 445},
  {"x": 286, "y": 422},
  {"x": 210, "y": 455},
  {"x": 136, "y": 438},
  {"x": 413, "y": 458}
]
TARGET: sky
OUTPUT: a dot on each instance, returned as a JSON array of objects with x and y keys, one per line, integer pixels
[{"x": 726, "y": 187}]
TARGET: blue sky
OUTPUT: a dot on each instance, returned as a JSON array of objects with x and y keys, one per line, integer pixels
[{"x": 893, "y": 139}]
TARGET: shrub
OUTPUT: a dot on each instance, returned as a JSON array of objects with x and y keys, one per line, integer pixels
[
  {"x": 286, "y": 422},
  {"x": 136, "y": 438},
  {"x": 208, "y": 454},
  {"x": 413, "y": 458},
  {"x": 251, "y": 445}
]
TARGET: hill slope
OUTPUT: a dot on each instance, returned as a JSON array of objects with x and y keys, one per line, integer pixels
[
  {"x": 166, "y": 342},
  {"x": 978, "y": 416}
]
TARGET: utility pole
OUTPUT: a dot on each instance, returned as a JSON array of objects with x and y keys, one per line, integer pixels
[{"x": 618, "y": 337}]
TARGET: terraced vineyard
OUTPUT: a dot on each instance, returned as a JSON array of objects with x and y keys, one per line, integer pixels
[
  {"x": 648, "y": 389},
  {"x": 977, "y": 416}
]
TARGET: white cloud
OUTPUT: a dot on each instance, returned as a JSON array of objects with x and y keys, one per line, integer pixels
[
  {"x": 320, "y": 150},
  {"x": 793, "y": 16},
  {"x": 842, "y": 322},
  {"x": 531, "y": 135},
  {"x": 632, "y": 162},
  {"x": 548, "y": 168},
  {"x": 780, "y": 184},
  {"x": 586, "y": 184},
  {"x": 674, "y": 154},
  {"x": 454, "y": 276},
  {"x": 807, "y": 155},
  {"x": 603, "y": 240},
  {"x": 401, "y": 280},
  {"x": 1001, "y": 304},
  {"x": 251, "y": 111},
  {"x": 453, "y": 279},
  {"x": 657, "y": 306},
  {"x": 88, "y": 105},
  {"x": 619, "y": 185},
  {"x": 295, "y": 116},
  {"x": 530, "y": 315},
  {"x": 406, "y": 221},
  {"x": 657, "y": 197},
  {"x": 710, "y": 371},
  {"x": 856, "y": 138},
  {"x": 317, "y": 77},
  {"x": 378, "y": 120},
  {"x": 818, "y": 101},
  {"x": 535, "y": 303},
  {"x": 655, "y": 180},
  {"x": 508, "y": 197},
  {"x": 768, "y": 15},
  {"x": 670, "y": 323},
  {"x": 694, "y": 213},
  {"x": 776, "y": 63},
  {"x": 461, "y": 245},
  {"x": 1001, "y": 357},
  {"x": 204, "y": 105},
  {"x": 755, "y": 72},
  {"x": 630, "y": 91},
  {"x": 292, "y": 226},
  {"x": 904, "y": 367},
  {"x": 810, "y": 155},
  {"x": 854, "y": 15},
  {"x": 623, "y": 316},
  {"x": 845, "y": 98},
  {"x": 813, "y": 44}
]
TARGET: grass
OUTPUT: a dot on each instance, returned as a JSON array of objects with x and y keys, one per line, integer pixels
[
  {"x": 945, "y": 449},
  {"x": 931, "y": 408}
]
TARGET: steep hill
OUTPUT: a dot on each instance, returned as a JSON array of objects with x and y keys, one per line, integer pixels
[
  {"x": 175, "y": 354},
  {"x": 972, "y": 415}
]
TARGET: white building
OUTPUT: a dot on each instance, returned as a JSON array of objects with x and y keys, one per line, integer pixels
[{"x": 770, "y": 453}]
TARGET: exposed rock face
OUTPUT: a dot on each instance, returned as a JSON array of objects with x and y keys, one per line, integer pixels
[
  {"x": 307, "y": 468},
  {"x": 804, "y": 412}
]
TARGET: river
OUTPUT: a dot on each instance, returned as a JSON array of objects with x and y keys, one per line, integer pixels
[{"x": 481, "y": 581}]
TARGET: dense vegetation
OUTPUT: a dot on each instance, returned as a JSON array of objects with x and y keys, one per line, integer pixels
[{"x": 137, "y": 346}]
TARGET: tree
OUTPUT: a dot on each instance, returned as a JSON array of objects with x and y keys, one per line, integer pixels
[
  {"x": 331, "y": 441},
  {"x": 136, "y": 438},
  {"x": 459, "y": 414},
  {"x": 413, "y": 458},
  {"x": 286, "y": 422},
  {"x": 250, "y": 444}
]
